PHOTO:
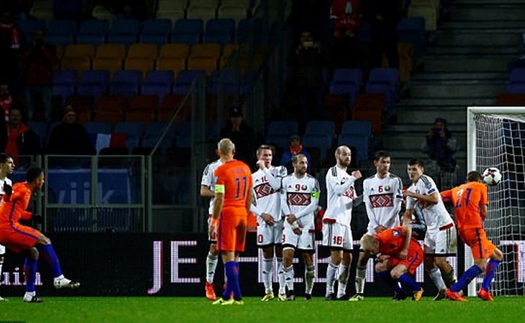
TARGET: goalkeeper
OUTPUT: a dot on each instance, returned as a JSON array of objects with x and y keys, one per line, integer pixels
[{"x": 470, "y": 207}]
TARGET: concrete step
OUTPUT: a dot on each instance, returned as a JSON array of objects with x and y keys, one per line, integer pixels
[
  {"x": 439, "y": 77},
  {"x": 478, "y": 37},
  {"x": 412, "y": 141},
  {"x": 457, "y": 89},
  {"x": 473, "y": 50},
  {"x": 483, "y": 25},
  {"x": 487, "y": 12},
  {"x": 467, "y": 64},
  {"x": 420, "y": 127},
  {"x": 443, "y": 104},
  {"x": 415, "y": 115}
]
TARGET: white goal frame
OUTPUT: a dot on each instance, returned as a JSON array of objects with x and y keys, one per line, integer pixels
[{"x": 472, "y": 111}]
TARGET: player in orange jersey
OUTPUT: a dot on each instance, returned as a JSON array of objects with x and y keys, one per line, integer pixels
[
  {"x": 21, "y": 238},
  {"x": 233, "y": 196},
  {"x": 470, "y": 207},
  {"x": 405, "y": 255}
]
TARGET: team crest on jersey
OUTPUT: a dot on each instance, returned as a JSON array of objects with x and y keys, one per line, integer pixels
[
  {"x": 396, "y": 233},
  {"x": 381, "y": 200},
  {"x": 349, "y": 193},
  {"x": 263, "y": 190},
  {"x": 428, "y": 185},
  {"x": 387, "y": 188},
  {"x": 299, "y": 199}
]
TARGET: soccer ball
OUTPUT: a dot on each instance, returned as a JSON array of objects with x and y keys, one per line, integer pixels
[{"x": 491, "y": 176}]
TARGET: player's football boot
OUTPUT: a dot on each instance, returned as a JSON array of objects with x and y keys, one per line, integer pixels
[
  {"x": 356, "y": 298},
  {"x": 307, "y": 297},
  {"x": 485, "y": 295},
  {"x": 31, "y": 299},
  {"x": 343, "y": 298},
  {"x": 210, "y": 291},
  {"x": 455, "y": 296},
  {"x": 268, "y": 297},
  {"x": 440, "y": 295},
  {"x": 330, "y": 297},
  {"x": 65, "y": 283},
  {"x": 399, "y": 296},
  {"x": 232, "y": 301},
  {"x": 416, "y": 296},
  {"x": 290, "y": 295},
  {"x": 3, "y": 299},
  {"x": 282, "y": 297}
]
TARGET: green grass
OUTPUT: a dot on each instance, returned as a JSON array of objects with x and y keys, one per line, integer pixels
[{"x": 190, "y": 309}]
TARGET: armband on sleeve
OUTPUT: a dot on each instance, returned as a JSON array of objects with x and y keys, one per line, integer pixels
[
  {"x": 315, "y": 194},
  {"x": 219, "y": 188}
]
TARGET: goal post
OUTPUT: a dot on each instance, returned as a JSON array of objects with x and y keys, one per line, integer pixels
[{"x": 496, "y": 138}]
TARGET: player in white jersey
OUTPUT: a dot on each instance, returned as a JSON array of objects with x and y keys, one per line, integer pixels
[
  {"x": 337, "y": 233},
  {"x": 441, "y": 237},
  {"x": 382, "y": 195},
  {"x": 267, "y": 208},
  {"x": 299, "y": 201},
  {"x": 208, "y": 190},
  {"x": 7, "y": 166}
]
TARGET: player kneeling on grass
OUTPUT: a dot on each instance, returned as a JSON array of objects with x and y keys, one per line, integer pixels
[
  {"x": 21, "y": 238},
  {"x": 398, "y": 256}
]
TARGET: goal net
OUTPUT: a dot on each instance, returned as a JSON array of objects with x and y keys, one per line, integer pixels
[{"x": 496, "y": 139}]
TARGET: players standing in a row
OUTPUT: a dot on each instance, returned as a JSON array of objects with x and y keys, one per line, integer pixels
[
  {"x": 337, "y": 232},
  {"x": 267, "y": 208},
  {"x": 299, "y": 201},
  {"x": 208, "y": 190},
  {"x": 441, "y": 237},
  {"x": 233, "y": 196},
  {"x": 470, "y": 202},
  {"x": 382, "y": 195}
]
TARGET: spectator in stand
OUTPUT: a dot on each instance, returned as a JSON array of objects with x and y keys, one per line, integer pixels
[
  {"x": 343, "y": 46},
  {"x": 383, "y": 16},
  {"x": 441, "y": 145},
  {"x": 70, "y": 137},
  {"x": 308, "y": 62},
  {"x": 242, "y": 135},
  {"x": 6, "y": 100},
  {"x": 10, "y": 39},
  {"x": 21, "y": 140},
  {"x": 295, "y": 148},
  {"x": 38, "y": 63}
]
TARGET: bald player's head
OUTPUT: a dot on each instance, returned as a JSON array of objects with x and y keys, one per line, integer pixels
[{"x": 226, "y": 147}]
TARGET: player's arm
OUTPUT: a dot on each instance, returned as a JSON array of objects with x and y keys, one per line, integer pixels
[
  {"x": 314, "y": 202},
  {"x": 407, "y": 216},
  {"x": 219, "y": 201},
  {"x": 368, "y": 205},
  {"x": 275, "y": 181},
  {"x": 285, "y": 208},
  {"x": 430, "y": 198},
  {"x": 249, "y": 198},
  {"x": 206, "y": 191},
  {"x": 407, "y": 229}
]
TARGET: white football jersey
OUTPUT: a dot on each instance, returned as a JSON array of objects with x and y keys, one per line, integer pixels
[
  {"x": 436, "y": 215},
  {"x": 2, "y": 182},
  {"x": 340, "y": 195},
  {"x": 266, "y": 185},
  {"x": 300, "y": 196},
  {"x": 209, "y": 180},
  {"x": 382, "y": 197}
]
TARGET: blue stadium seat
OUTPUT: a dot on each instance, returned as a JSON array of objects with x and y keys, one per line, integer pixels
[
  {"x": 184, "y": 80},
  {"x": 93, "y": 83},
  {"x": 126, "y": 83}
]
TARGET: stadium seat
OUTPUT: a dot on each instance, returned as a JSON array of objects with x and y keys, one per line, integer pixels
[
  {"x": 278, "y": 132},
  {"x": 92, "y": 32},
  {"x": 158, "y": 27},
  {"x": 126, "y": 83},
  {"x": 133, "y": 131},
  {"x": 93, "y": 83},
  {"x": 142, "y": 108},
  {"x": 185, "y": 79},
  {"x": 204, "y": 12},
  {"x": 187, "y": 29}
]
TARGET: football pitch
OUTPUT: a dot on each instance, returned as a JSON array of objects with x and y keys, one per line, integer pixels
[{"x": 191, "y": 309}]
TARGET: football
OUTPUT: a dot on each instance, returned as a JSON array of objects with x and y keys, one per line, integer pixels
[{"x": 491, "y": 176}]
